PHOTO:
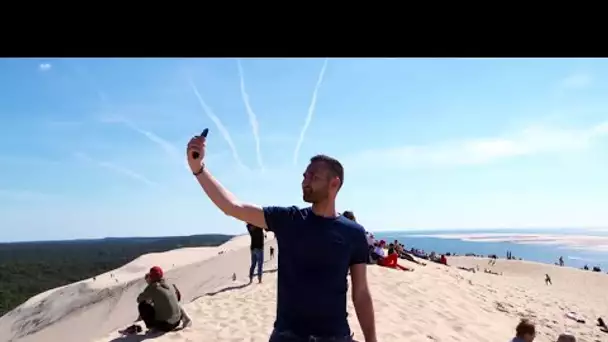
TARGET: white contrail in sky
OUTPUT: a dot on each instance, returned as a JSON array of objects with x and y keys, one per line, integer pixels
[
  {"x": 117, "y": 168},
  {"x": 311, "y": 111},
  {"x": 253, "y": 120},
  {"x": 162, "y": 143},
  {"x": 218, "y": 123},
  {"x": 105, "y": 102},
  {"x": 166, "y": 146}
]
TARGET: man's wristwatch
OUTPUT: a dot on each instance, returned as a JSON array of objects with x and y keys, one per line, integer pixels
[{"x": 200, "y": 170}]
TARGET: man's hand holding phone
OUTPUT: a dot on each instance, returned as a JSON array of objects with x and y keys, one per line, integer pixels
[{"x": 196, "y": 152}]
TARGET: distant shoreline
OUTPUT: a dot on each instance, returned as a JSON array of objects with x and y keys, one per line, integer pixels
[{"x": 584, "y": 242}]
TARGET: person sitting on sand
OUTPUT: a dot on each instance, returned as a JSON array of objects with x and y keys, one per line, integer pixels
[
  {"x": 159, "y": 304},
  {"x": 548, "y": 280},
  {"x": 602, "y": 325},
  {"x": 443, "y": 260},
  {"x": 525, "y": 331},
  {"x": 378, "y": 251},
  {"x": 391, "y": 260}
]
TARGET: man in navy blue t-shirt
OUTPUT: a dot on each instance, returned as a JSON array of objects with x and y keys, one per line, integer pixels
[{"x": 317, "y": 248}]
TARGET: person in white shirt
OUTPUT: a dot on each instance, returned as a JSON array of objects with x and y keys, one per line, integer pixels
[
  {"x": 370, "y": 239},
  {"x": 380, "y": 251}
]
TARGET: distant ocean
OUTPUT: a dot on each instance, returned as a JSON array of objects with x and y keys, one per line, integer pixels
[{"x": 531, "y": 252}]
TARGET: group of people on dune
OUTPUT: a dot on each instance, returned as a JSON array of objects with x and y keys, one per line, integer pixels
[
  {"x": 319, "y": 248},
  {"x": 388, "y": 255}
]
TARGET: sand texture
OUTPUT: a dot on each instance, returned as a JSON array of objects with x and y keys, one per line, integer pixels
[{"x": 433, "y": 303}]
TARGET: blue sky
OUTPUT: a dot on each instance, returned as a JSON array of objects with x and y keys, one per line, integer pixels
[{"x": 95, "y": 147}]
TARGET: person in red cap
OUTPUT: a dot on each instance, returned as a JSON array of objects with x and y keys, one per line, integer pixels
[{"x": 159, "y": 306}]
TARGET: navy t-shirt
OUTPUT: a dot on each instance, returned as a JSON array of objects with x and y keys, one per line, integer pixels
[{"x": 315, "y": 255}]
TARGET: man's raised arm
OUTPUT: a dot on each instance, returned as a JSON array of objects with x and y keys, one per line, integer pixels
[{"x": 221, "y": 197}]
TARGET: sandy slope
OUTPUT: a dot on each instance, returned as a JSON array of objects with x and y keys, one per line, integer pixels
[
  {"x": 80, "y": 311},
  {"x": 434, "y": 303}
]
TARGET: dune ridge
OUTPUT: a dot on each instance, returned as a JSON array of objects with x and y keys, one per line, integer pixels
[
  {"x": 433, "y": 303},
  {"x": 106, "y": 302}
]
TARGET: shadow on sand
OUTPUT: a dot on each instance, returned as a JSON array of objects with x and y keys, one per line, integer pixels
[
  {"x": 151, "y": 335},
  {"x": 230, "y": 288},
  {"x": 138, "y": 338}
]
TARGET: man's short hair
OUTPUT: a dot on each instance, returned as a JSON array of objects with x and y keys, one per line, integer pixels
[
  {"x": 525, "y": 327},
  {"x": 335, "y": 167}
]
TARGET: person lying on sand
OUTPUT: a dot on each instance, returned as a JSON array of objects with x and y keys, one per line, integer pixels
[
  {"x": 407, "y": 256},
  {"x": 525, "y": 331},
  {"x": 491, "y": 272},
  {"x": 158, "y": 304},
  {"x": 318, "y": 249}
]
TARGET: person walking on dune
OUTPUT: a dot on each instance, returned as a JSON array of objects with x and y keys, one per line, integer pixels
[
  {"x": 318, "y": 249},
  {"x": 257, "y": 251}
]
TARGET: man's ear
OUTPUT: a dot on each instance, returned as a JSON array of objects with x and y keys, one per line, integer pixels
[{"x": 335, "y": 182}]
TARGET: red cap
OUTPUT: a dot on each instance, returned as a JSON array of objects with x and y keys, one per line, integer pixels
[{"x": 156, "y": 273}]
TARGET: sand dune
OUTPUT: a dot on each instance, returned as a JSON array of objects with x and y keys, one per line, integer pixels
[
  {"x": 105, "y": 304},
  {"x": 434, "y": 303}
]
